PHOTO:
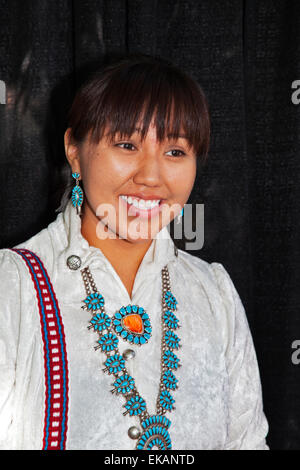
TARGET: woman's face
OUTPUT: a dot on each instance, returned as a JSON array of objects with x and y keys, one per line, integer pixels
[{"x": 147, "y": 170}]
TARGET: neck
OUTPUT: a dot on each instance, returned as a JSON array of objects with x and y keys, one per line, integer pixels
[{"x": 121, "y": 253}]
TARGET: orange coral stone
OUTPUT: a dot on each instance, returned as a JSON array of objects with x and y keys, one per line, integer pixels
[{"x": 134, "y": 323}]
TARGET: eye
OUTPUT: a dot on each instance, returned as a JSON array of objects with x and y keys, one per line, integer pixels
[
  {"x": 127, "y": 145},
  {"x": 174, "y": 151}
]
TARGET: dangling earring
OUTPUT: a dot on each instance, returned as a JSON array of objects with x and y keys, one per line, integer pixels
[
  {"x": 77, "y": 194},
  {"x": 179, "y": 216}
]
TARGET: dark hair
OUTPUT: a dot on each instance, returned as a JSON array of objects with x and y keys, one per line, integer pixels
[{"x": 134, "y": 90}]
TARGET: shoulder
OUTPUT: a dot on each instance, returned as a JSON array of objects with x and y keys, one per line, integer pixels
[
  {"x": 46, "y": 243},
  {"x": 11, "y": 267},
  {"x": 17, "y": 294},
  {"x": 16, "y": 274},
  {"x": 214, "y": 281},
  {"x": 213, "y": 276}
]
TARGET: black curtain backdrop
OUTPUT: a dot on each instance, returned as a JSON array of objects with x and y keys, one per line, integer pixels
[{"x": 246, "y": 56}]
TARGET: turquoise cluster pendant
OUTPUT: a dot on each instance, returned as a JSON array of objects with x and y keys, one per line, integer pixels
[
  {"x": 132, "y": 324},
  {"x": 155, "y": 434}
]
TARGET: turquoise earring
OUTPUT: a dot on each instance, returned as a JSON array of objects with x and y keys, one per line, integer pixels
[{"x": 77, "y": 194}]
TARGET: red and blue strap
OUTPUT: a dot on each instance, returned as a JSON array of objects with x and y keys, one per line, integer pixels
[{"x": 55, "y": 354}]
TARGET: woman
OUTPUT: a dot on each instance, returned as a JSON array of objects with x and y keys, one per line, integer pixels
[{"x": 166, "y": 326}]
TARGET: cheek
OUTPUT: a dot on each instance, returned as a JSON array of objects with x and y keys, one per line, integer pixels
[
  {"x": 182, "y": 178},
  {"x": 104, "y": 175}
]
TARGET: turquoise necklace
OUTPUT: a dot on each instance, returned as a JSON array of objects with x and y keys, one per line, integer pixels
[{"x": 132, "y": 324}]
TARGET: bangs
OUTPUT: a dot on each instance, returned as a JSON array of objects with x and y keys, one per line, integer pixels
[{"x": 127, "y": 96}]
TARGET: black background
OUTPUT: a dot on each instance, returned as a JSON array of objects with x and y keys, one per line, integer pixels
[{"x": 246, "y": 55}]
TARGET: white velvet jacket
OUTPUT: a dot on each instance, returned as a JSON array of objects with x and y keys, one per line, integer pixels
[{"x": 219, "y": 399}]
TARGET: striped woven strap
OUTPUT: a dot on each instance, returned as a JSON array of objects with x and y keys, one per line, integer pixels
[{"x": 55, "y": 354}]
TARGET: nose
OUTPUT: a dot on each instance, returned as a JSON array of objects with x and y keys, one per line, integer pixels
[{"x": 149, "y": 169}]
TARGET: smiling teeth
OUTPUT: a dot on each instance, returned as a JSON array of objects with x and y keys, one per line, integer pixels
[{"x": 141, "y": 203}]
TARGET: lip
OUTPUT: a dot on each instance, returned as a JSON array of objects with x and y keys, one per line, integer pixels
[{"x": 142, "y": 213}]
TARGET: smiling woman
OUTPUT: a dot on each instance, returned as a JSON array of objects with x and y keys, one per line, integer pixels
[{"x": 168, "y": 326}]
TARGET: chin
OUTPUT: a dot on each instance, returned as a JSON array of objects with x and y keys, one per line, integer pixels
[{"x": 140, "y": 237}]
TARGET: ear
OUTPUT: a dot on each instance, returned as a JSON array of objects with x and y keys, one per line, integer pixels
[{"x": 72, "y": 152}]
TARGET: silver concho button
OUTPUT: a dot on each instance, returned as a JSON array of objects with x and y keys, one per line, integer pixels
[
  {"x": 128, "y": 354},
  {"x": 74, "y": 262},
  {"x": 134, "y": 432}
]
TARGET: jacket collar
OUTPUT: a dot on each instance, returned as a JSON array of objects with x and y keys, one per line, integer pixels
[{"x": 160, "y": 252}]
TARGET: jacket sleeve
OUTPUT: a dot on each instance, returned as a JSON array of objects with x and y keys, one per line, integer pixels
[
  {"x": 247, "y": 426},
  {"x": 9, "y": 334}
]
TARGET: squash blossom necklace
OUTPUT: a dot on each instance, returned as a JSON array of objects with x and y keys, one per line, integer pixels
[{"x": 132, "y": 324}]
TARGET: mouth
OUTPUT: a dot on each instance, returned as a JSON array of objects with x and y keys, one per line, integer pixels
[{"x": 145, "y": 208}]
